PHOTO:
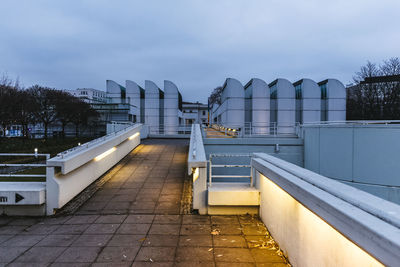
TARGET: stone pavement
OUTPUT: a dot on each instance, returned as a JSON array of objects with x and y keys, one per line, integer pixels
[{"x": 134, "y": 220}]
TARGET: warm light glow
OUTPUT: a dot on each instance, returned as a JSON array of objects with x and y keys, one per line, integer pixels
[
  {"x": 79, "y": 144},
  {"x": 196, "y": 174},
  {"x": 133, "y": 136},
  {"x": 290, "y": 223},
  {"x": 36, "y": 150},
  {"x": 105, "y": 154}
]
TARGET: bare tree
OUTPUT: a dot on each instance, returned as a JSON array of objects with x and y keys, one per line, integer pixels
[
  {"x": 215, "y": 97},
  {"x": 44, "y": 105}
]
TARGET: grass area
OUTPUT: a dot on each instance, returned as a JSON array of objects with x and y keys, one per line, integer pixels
[{"x": 51, "y": 146}]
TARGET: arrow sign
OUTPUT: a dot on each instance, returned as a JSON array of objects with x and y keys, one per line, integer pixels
[{"x": 18, "y": 198}]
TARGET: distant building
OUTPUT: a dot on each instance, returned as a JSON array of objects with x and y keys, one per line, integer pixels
[
  {"x": 90, "y": 95},
  {"x": 194, "y": 113}
]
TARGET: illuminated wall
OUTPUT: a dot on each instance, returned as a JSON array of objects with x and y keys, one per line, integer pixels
[
  {"x": 257, "y": 106},
  {"x": 152, "y": 106},
  {"x": 283, "y": 102},
  {"x": 308, "y": 101},
  {"x": 232, "y": 104},
  {"x": 171, "y": 106},
  {"x": 334, "y": 97},
  {"x": 133, "y": 93}
]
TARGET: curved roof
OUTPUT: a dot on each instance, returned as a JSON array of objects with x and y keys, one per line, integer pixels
[
  {"x": 170, "y": 88},
  {"x": 285, "y": 89},
  {"x": 132, "y": 87},
  {"x": 260, "y": 88},
  {"x": 232, "y": 88},
  {"x": 113, "y": 87},
  {"x": 335, "y": 89},
  {"x": 309, "y": 88},
  {"x": 151, "y": 87}
]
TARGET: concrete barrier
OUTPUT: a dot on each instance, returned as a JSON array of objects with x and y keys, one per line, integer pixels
[
  {"x": 321, "y": 222},
  {"x": 71, "y": 172},
  {"x": 197, "y": 165}
]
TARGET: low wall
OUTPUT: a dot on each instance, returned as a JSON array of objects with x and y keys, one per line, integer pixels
[
  {"x": 321, "y": 222},
  {"x": 68, "y": 174},
  {"x": 197, "y": 165}
]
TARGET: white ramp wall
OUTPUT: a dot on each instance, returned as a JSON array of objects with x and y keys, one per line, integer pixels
[
  {"x": 70, "y": 173},
  {"x": 232, "y": 107},
  {"x": 152, "y": 106},
  {"x": 171, "y": 106},
  {"x": 133, "y": 93},
  {"x": 285, "y": 106},
  {"x": 311, "y": 101}
]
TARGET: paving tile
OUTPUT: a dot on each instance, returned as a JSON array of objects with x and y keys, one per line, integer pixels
[
  {"x": 196, "y": 219},
  {"x": 117, "y": 205},
  {"x": 103, "y": 228},
  {"x": 228, "y": 229},
  {"x": 195, "y": 264},
  {"x": 168, "y": 219},
  {"x": 224, "y": 219},
  {"x": 229, "y": 241},
  {"x": 11, "y": 230},
  {"x": 56, "y": 220},
  {"x": 117, "y": 254},
  {"x": 251, "y": 229},
  {"x": 265, "y": 255},
  {"x": 111, "y": 219},
  {"x": 124, "y": 198},
  {"x": 41, "y": 254},
  {"x": 91, "y": 241},
  {"x": 24, "y": 221},
  {"x": 40, "y": 229},
  {"x": 160, "y": 241},
  {"x": 94, "y": 206},
  {"x": 79, "y": 254},
  {"x": 71, "y": 229},
  {"x": 165, "y": 229},
  {"x": 57, "y": 241},
  {"x": 82, "y": 219},
  {"x": 4, "y": 238},
  {"x": 153, "y": 264},
  {"x": 133, "y": 229},
  {"x": 8, "y": 254},
  {"x": 126, "y": 240},
  {"x": 139, "y": 219},
  {"x": 155, "y": 254},
  {"x": 24, "y": 264},
  {"x": 69, "y": 264},
  {"x": 23, "y": 241},
  {"x": 143, "y": 205},
  {"x": 236, "y": 264},
  {"x": 190, "y": 229},
  {"x": 195, "y": 241},
  {"x": 233, "y": 255},
  {"x": 193, "y": 254}
]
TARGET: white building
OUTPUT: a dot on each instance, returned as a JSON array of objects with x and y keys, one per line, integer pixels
[
  {"x": 194, "y": 113},
  {"x": 90, "y": 95}
]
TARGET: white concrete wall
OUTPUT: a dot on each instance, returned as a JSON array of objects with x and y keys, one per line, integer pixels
[
  {"x": 311, "y": 101},
  {"x": 152, "y": 106},
  {"x": 365, "y": 156},
  {"x": 232, "y": 106},
  {"x": 113, "y": 90},
  {"x": 336, "y": 101},
  {"x": 260, "y": 107},
  {"x": 82, "y": 167},
  {"x": 171, "y": 106},
  {"x": 320, "y": 222},
  {"x": 197, "y": 165},
  {"x": 133, "y": 93},
  {"x": 285, "y": 107}
]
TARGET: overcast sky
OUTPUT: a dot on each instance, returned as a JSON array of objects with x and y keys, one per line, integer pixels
[{"x": 195, "y": 44}]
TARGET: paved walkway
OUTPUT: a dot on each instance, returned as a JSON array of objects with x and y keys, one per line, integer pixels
[{"x": 134, "y": 220}]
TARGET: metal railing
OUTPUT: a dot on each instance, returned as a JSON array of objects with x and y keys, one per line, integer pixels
[
  {"x": 23, "y": 166},
  {"x": 166, "y": 130},
  {"x": 232, "y": 165},
  {"x": 254, "y": 130}
]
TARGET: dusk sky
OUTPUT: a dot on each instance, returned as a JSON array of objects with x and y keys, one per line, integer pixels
[{"x": 195, "y": 44}]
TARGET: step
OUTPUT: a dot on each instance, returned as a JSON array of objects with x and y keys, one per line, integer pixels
[
  {"x": 22, "y": 193},
  {"x": 233, "y": 194}
]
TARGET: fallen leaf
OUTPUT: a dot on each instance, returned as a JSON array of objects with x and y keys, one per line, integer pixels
[
  {"x": 210, "y": 249},
  {"x": 215, "y": 232},
  {"x": 142, "y": 239},
  {"x": 219, "y": 255},
  {"x": 151, "y": 260}
]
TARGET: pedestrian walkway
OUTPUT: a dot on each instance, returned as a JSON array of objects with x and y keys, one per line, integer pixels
[{"x": 134, "y": 220}]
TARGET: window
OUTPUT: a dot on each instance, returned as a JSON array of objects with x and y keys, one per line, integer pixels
[
  {"x": 204, "y": 112},
  {"x": 323, "y": 91},
  {"x": 298, "y": 91}
]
